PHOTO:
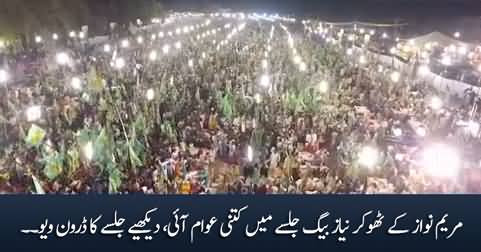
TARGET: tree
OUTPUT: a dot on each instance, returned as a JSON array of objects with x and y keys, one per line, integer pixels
[
  {"x": 131, "y": 10},
  {"x": 30, "y": 17}
]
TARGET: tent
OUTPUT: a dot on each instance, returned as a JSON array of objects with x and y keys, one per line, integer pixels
[{"x": 442, "y": 40}]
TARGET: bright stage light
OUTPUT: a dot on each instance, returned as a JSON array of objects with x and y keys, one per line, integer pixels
[
  {"x": 323, "y": 86},
  {"x": 362, "y": 60},
  {"x": 441, "y": 160},
  {"x": 150, "y": 94},
  {"x": 76, "y": 83},
  {"x": 395, "y": 76},
  {"x": 397, "y": 132},
  {"x": 119, "y": 63},
  {"x": 297, "y": 59},
  {"x": 3, "y": 76},
  {"x": 88, "y": 151},
  {"x": 436, "y": 103},
  {"x": 258, "y": 98},
  {"x": 424, "y": 69},
  {"x": 250, "y": 153},
  {"x": 153, "y": 55},
  {"x": 125, "y": 43},
  {"x": 421, "y": 131},
  {"x": 368, "y": 157},
  {"x": 33, "y": 113},
  {"x": 107, "y": 48},
  {"x": 265, "y": 80},
  {"x": 264, "y": 64},
  {"x": 62, "y": 58},
  {"x": 302, "y": 67},
  {"x": 165, "y": 49}
]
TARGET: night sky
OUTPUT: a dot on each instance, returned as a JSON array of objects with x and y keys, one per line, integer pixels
[
  {"x": 423, "y": 16},
  {"x": 346, "y": 9}
]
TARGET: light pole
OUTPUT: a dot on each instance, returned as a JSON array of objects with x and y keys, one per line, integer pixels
[{"x": 4, "y": 76}]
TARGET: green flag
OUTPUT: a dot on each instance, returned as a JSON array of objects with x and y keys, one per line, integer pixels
[{"x": 35, "y": 135}]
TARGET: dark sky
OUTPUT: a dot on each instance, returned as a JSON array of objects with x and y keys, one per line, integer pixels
[
  {"x": 423, "y": 16},
  {"x": 345, "y": 9}
]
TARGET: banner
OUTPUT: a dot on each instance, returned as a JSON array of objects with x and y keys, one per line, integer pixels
[{"x": 240, "y": 223}]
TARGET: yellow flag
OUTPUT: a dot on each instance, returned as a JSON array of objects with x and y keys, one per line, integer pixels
[{"x": 95, "y": 82}]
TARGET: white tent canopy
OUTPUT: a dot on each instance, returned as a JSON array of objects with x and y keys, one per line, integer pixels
[{"x": 442, "y": 40}]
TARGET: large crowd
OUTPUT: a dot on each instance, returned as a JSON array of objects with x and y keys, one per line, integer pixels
[{"x": 227, "y": 104}]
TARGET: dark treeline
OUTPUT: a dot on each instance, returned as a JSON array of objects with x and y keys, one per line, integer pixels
[{"x": 27, "y": 17}]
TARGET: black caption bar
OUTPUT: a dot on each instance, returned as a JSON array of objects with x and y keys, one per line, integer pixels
[{"x": 284, "y": 223}]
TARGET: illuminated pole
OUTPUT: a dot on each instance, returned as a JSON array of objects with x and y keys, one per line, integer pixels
[{"x": 3, "y": 80}]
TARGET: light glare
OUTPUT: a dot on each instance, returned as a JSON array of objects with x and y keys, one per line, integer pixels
[
  {"x": 440, "y": 160},
  {"x": 368, "y": 157},
  {"x": 33, "y": 113},
  {"x": 76, "y": 83}
]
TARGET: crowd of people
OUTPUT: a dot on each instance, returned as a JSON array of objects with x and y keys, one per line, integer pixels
[{"x": 227, "y": 104}]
